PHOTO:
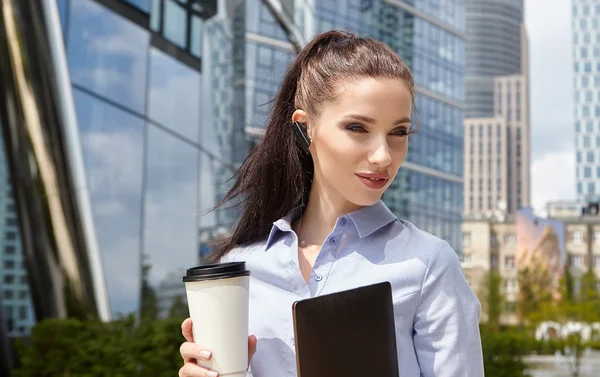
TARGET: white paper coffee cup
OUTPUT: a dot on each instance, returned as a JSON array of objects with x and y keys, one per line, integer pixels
[{"x": 217, "y": 297}]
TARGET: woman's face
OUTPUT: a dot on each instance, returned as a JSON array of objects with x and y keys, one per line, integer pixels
[{"x": 359, "y": 140}]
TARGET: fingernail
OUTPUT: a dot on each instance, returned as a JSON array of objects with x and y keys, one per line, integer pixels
[
  {"x": 204, "y": 354},
  {"x": 212, "y": 373}
]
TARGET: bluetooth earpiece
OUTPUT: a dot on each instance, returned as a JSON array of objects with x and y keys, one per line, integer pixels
[{"x": 301, "y": 135}]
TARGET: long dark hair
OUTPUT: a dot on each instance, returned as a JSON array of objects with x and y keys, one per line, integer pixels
[{"x": 277, "y": 175}]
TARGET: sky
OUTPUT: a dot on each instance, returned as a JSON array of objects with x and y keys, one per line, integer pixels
[{"x": 548, "y": 24}]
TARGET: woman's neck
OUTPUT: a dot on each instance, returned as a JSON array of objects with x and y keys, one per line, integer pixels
[{"x": 321, "y": 213}]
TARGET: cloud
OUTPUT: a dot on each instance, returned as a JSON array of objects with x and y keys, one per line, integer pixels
[
  {"x": 553, "y": 177},
  {"x": 551, "y": 96}
]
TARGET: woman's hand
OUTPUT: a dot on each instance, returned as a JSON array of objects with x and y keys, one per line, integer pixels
[{"x": 191, "y": 352}]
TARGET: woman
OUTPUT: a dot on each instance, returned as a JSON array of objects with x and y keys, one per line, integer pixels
[{"x": 313, "y": 223}]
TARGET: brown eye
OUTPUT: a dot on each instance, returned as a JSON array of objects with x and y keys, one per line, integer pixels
[{"x": 356, "y": 128}]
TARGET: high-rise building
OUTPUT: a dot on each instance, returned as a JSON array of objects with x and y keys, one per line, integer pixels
[
  {"x": 497, "y": 130},
  {"x": 586, "y": 60},
  {"x": 136, "y": 75},
  {"x": 15, "y": 298},
  {"x": 493, "y": 49},
  {"x": 497, "y": 152}
]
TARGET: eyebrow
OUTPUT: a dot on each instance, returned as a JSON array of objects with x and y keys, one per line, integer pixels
[{"x": 366, "y": 119}]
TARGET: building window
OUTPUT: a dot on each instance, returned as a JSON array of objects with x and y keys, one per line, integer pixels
[
  {"x": 10, "y": 236},
  {"x": 577, "y": 237},
  {"x": 23, "y": 312},
  {"x": 509, "y": 262},
  {"x": 9, "y": 279},
  {"x": 494, "y": 261},
  {"x": 7, "y": 294},
  {"x": 509, "y": 239},
  {"x": 467, "y": 258},
  {"x": 511, "y": 306},
  {"x": 179, "y": 22},
  {"x": 511, "y": 285},
  {"x": 9, "y": 264},
  {"x": 466, "y": 239},
  {"x": 9, "y": 250},
  {"x": 597, "y": 237},
  {"x": 577, "y": 261},
  {"x": 597, "y": 261}
]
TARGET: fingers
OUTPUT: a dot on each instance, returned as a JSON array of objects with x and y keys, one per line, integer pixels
[
  {"x": 190, "y": 369},
  {"x": 192, "y": 351},
  {"x": 251, "y": 347},
  {"x": 186, "y": 330}
]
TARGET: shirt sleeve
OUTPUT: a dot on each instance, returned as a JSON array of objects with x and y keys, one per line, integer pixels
[{"x": 446, "y": 325}]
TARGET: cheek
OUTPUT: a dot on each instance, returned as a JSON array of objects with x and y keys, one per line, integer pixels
[{"x": 337, "y": 157}]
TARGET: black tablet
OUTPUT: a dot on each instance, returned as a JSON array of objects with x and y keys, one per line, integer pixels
[{"x": 347, "y": 334}]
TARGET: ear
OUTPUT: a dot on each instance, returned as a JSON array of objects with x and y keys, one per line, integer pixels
[{"x": 301, "y": 117}]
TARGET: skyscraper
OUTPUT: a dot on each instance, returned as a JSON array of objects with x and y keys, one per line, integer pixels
[
  {"x": 497, "y": 130},
  {"x": 586, "y": 60},
  {"x": 493, "y": 49}
]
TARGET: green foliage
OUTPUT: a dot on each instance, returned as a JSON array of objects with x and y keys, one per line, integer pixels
[
  {"x": 535, "y": 294},
  {"x": 503, "y": 351},
  {"x": 492, "y": 298},
  {"x": 90, "y": 348}
]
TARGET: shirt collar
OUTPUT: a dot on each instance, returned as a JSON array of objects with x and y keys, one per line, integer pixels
[
  {"x": 367, "y": 221},
  {"x": 370, "y": 219}
]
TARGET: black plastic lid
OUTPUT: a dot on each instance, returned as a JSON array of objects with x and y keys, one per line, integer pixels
[{"x": 216, "y": 271}]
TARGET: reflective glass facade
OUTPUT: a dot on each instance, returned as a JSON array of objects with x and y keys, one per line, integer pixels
[
  {"x": 494, "y": 49},
  {"x": 586, "y": 60},
  {"x": 15, "y": 298},
  {"x": 153, "y": 165}
]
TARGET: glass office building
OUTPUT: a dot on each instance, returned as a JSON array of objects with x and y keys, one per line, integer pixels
[
  {"x": 586, "y": 60},
  {"x": 494, "y": 49}
]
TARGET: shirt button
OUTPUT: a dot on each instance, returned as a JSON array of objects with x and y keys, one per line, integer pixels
[
  {"x": 343, "y": 221},
  {"x": 319, "y": 277},
  {"x": 332, "y": 241}
]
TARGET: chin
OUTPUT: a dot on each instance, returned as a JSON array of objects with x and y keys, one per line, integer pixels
[{"x": 364, "y": 200}]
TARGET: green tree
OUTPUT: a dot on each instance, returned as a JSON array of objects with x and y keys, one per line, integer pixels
[
  {"x": 535, "y": 294},
  {"x": 503, "y": 352},
  {"x": 89, "y": 348},
  {"x": 149, "y": 304},
  {"x": 581, "y": 308},
  {"x": 179, "y": 308},
  {"x": 492, "y": 298}
]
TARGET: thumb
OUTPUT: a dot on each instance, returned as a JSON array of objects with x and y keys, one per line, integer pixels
[{"x": 251, "y": 347}]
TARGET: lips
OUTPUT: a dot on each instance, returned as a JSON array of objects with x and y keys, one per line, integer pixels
[{"x": 375, "y": 181}]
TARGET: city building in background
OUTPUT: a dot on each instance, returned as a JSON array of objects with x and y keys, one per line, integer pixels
[
  {"x": 586, "y": 65},
  {"x": 568, "y": 238},
  {"x": 490, "y": 244},
  {"x": 497, "y": 132},
  {"x": 494, "y": 39}
]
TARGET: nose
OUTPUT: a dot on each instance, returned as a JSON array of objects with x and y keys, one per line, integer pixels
[{"x": 380, "y": 154}]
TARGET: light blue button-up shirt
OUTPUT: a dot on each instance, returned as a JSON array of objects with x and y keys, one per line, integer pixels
[{"x": 436, "y": 312}]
